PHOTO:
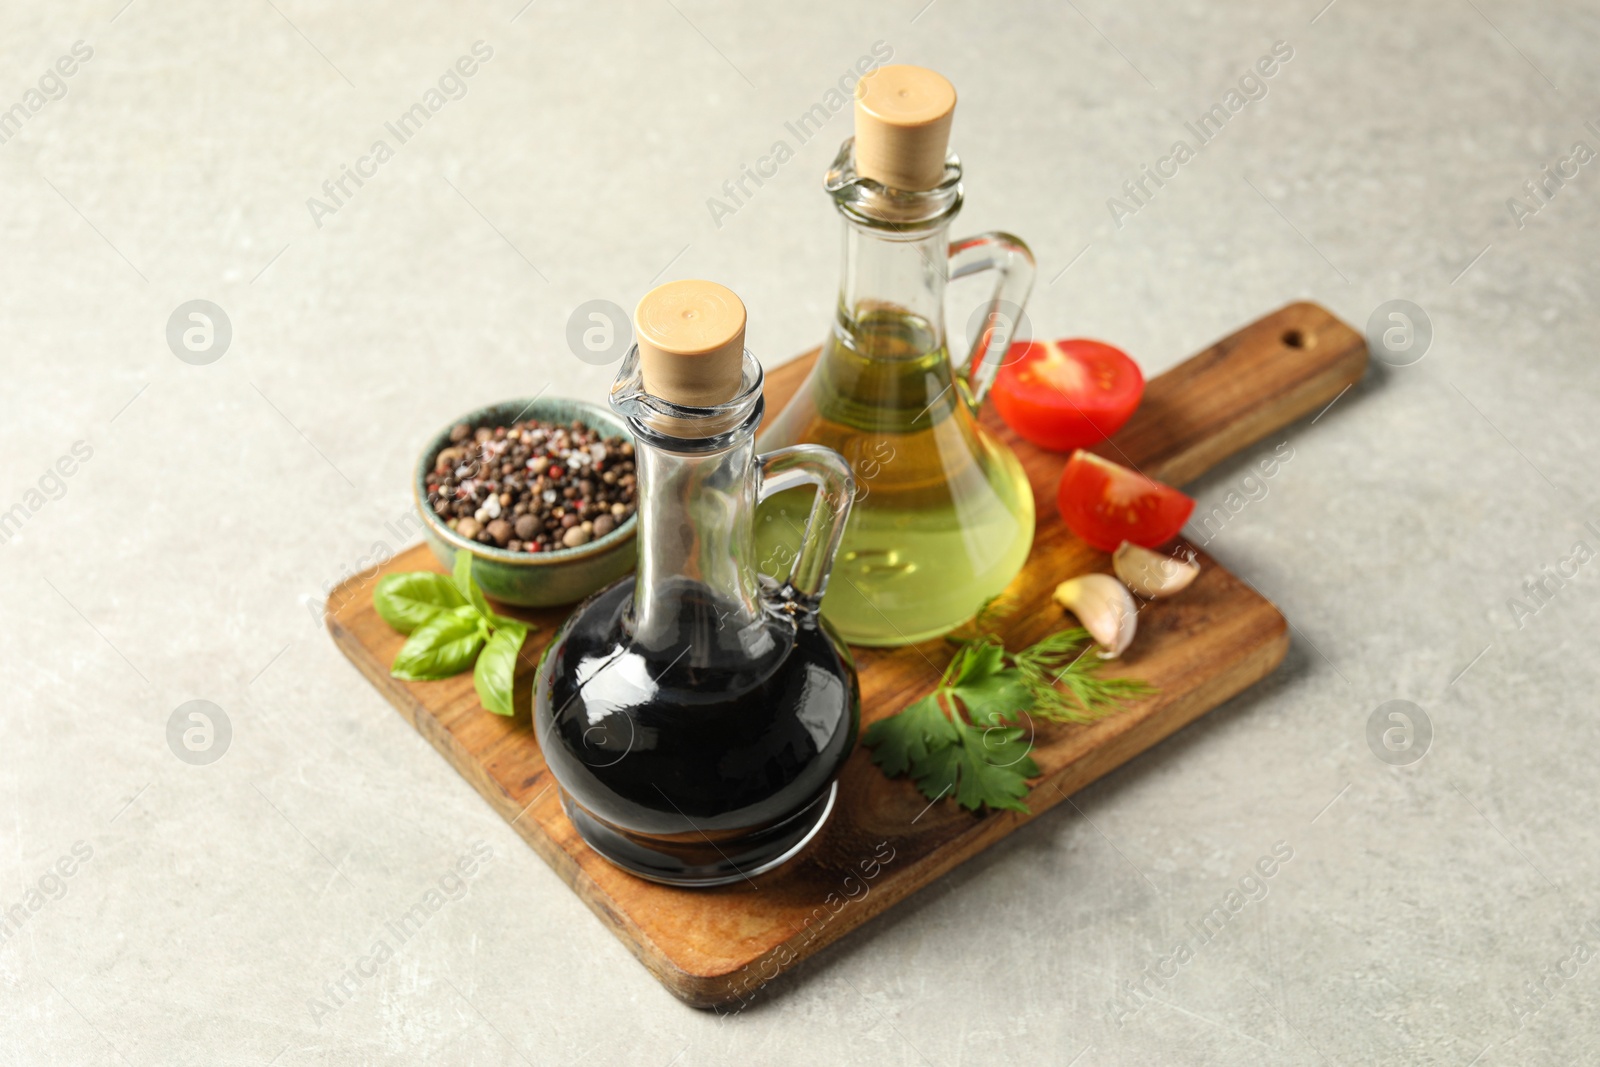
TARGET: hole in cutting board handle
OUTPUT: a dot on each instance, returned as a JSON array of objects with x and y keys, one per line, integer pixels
[{"x": 1298, "y": 339}]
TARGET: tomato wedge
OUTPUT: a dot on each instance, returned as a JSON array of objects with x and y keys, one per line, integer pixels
[
  {"x": 1106, "y": 504},
  {"x": 1067, "y": 394}
]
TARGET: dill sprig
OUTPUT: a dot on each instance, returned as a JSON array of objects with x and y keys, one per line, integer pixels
[{"x": 1066, "y": 658}]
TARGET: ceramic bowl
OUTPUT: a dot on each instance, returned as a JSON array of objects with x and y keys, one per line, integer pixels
[{"x": 526, "y": 579}]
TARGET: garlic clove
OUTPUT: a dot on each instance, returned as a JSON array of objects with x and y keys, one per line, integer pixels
[
  {"x": 1104, "y": 607},
  {"x": 1153, "y": 575}
]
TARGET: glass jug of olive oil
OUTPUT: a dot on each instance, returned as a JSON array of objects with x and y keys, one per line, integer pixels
[{"x": 944, "y": 515}]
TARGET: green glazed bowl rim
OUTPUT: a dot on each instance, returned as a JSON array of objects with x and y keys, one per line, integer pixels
[{"x": 504, "y": 413}]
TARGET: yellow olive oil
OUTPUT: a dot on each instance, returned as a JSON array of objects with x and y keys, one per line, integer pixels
[{"x": 943, "y": 515}]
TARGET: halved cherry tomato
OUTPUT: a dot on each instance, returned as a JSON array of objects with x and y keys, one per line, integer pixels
[
  {"x": 1106, "y": 504},
  {"x": 1068, "y": 394}
]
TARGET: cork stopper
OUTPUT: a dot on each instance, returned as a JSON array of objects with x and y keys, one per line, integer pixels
[
  {"x": 903, "y": 118},
  {"x": 691, "y": 342}
]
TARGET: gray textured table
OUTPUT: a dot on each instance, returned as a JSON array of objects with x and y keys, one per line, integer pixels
[{"x": 170, "y": 525}]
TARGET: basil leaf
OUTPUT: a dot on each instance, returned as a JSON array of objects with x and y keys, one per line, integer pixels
[
  {"x": 461, "y": 572},
  {"x": 469, "y": 588},
  {"x": 406, "y": 601},
  {"x": 498, "y": 621},
  {"x": 495, "y": 675},
  {"x": 440, "y": 647}
]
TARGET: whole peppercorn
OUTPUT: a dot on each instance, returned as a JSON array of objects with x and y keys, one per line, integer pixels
[{"x": 529, "y": 485}]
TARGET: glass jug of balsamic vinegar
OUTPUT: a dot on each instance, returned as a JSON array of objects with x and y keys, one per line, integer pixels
[
  {"x": 696, "y": 714},
  {"x": 944, "y": 514}
]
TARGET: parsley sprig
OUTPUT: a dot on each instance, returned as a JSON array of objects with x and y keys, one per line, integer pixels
[{"x": 966, "y": 736}]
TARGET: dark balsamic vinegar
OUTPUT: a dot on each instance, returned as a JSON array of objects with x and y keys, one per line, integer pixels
[
  {"x": 696, "y": 715},
  {"x": 707, "y": 756}
]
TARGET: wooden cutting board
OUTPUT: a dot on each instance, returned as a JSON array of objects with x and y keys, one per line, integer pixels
[{"x": 718, "y": 947}]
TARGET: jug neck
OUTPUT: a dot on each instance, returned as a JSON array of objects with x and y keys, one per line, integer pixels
[
  {"x": 895, "y": 262},
  {"x": 892, "y": 285},
  {"x": 697, "y": 485},
  {"x": 696, "y": 538}
]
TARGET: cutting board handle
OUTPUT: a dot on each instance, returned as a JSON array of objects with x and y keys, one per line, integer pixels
[{"x": 1280, "y": 368}]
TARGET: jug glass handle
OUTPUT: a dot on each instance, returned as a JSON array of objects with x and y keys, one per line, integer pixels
[
  {"x": 1012, "y": 262},
  {"x": 790, "y": 468}
]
